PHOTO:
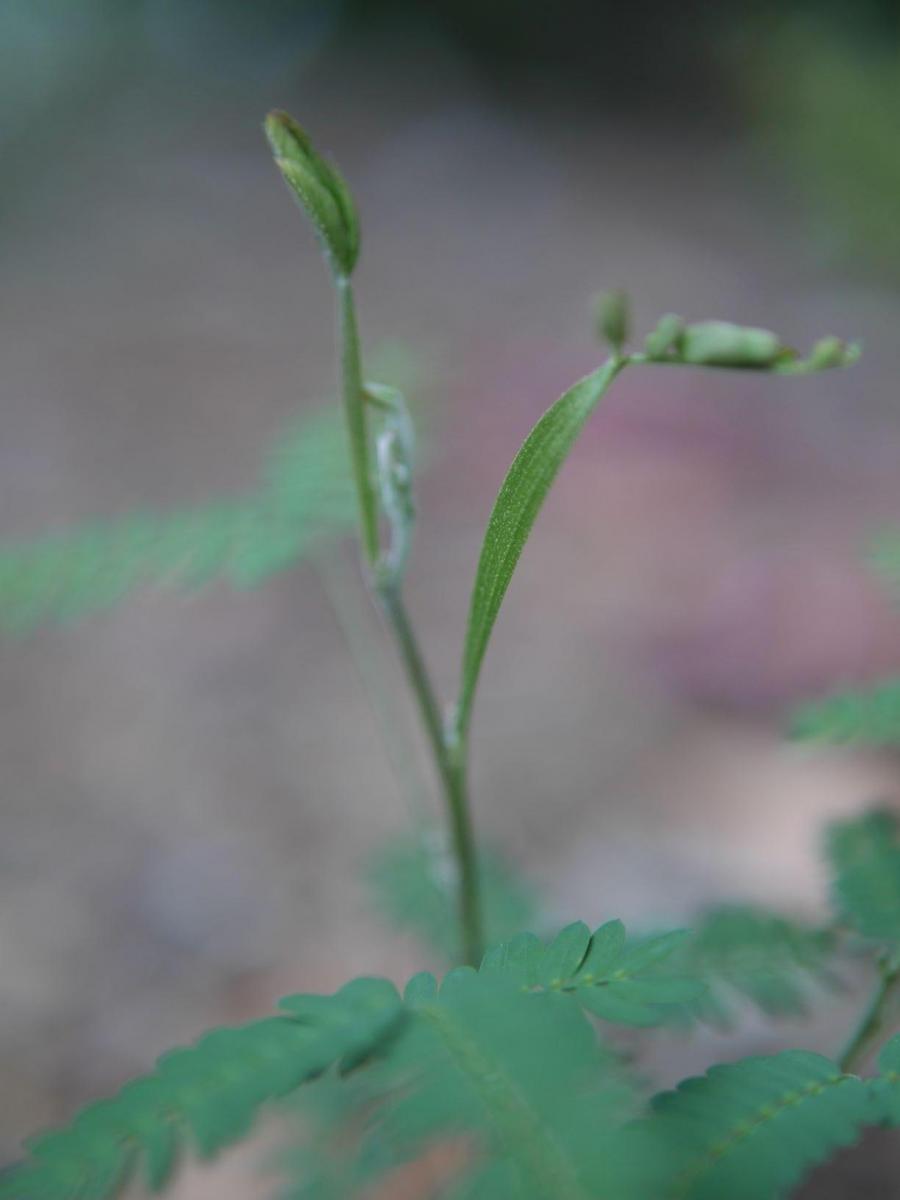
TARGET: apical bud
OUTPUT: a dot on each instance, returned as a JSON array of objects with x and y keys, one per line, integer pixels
[{"x": 319, "y": 188}]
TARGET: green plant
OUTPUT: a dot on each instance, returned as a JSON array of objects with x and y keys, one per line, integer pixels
[{"x": 509, "y": 1063}]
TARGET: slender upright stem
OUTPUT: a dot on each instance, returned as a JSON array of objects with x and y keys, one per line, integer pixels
[
  {"x": 456, "y": 784},
  {"x": 447, "y": 751},
  {"x": 450, "y": 762},
  {"x": 873, "y": 1021},
  {"x": 355, "y": 416}
]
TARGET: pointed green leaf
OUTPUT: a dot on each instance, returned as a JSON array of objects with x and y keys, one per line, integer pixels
[{"x": 515, "y": 510}]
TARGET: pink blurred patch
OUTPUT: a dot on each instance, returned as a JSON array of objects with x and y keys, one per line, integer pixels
[{"x": 778, "y": 626}]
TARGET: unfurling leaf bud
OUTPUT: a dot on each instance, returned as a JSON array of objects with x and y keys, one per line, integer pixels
[
  {"x": 665, "y": 337},
  {"x": 828, "y": 352},
  {"x": 721, "y": 344},
  {"x": 612, "y": 318},
  {"x": 319, "y": 188}
]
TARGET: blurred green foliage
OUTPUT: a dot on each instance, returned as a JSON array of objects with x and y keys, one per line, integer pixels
[
  {"x": 827, "y": 97},
  {"x": 50, "y": 49}
]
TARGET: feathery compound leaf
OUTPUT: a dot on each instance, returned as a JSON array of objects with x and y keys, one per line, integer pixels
[
  {"x": 207, "y": 1095},
  {"x": 870, "y": 716},
  {"x": 525, "y": 1074},
  {"x": 864, "y": 854},
  {"x": 304, "y": 497},
  {"x": 414, "y": 883},
  {"x": 515, "y": 510},
  {"x": 752, "y": 1130},
  {"x": 617, "y": 981},
  {"x": 505, "y": 1059},
  {"x": 500, "y": 1092}
]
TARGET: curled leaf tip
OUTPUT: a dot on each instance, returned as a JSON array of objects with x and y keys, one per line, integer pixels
[{"x": 746, "y": 347}]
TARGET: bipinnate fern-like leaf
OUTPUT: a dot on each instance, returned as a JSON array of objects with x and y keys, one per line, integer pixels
[
  {"x": 304, "y": 496},
  {"x": 509, "y": 1088},
  {"x": 501, "y": 1067},
  {"x": 506, "y": 1057},
  {"x": 524, "y": 1075},
  {"x": 864, "y": 854},
  {"x": 204, "y": 1097},
  {"x": 864, "y": 716},
  {"x": 738, "y": 951},
  {"x": 619, "y": 981},
  {"x": 751, "y": 1130}
]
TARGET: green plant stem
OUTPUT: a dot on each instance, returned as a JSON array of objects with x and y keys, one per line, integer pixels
[
  {"x": 385, "y": 585},
  {"x": 450, "y": 762},
  {"x": 873, "y": 1021},
  {"x": 355, "y": 416}
]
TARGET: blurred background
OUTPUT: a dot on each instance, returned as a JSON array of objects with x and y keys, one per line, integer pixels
[{"x": 192, "y": 784}]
